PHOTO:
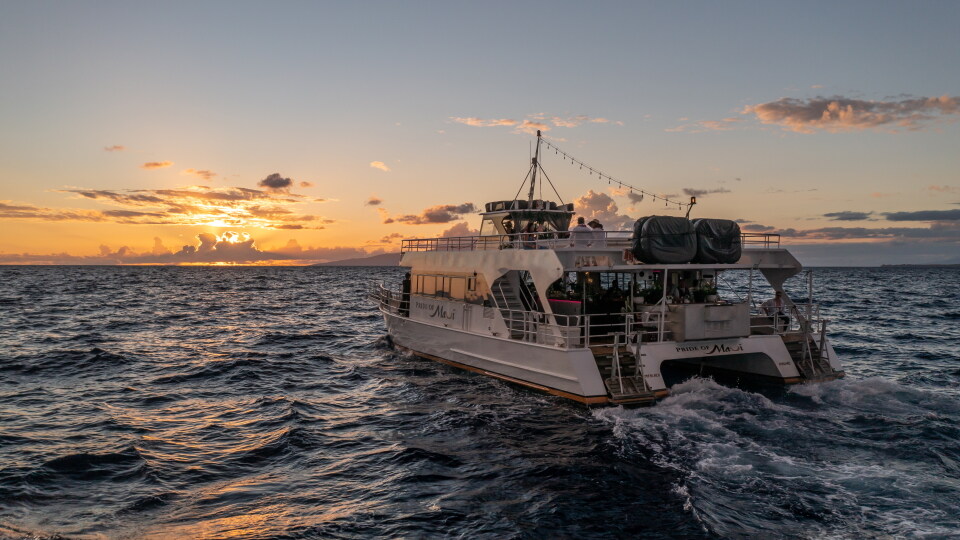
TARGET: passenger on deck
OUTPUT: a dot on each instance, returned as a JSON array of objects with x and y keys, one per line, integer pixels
[
  {"x": 775, "y": 307},
  {"x": 599, "y": 236},
  {"x": 581, "y": 235},
  {"x": 530, "y": 236}
]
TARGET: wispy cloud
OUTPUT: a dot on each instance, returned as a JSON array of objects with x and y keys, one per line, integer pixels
[
  {"x": 481, "y": 122},
  {"x": 156, "y": 165},
  {"x": 944, "y": 189},
  {"x": 925, "y": 215},
  {"x": 848, "y": 215},
  {"x": 533, "y": 122},
  {"x": 380, "y": 165},
  {"x": 203, "y": 173},
  {"x": 115, "y": 148},
  {"x": 692, "y": 192},
  {"x": 195, "y": 205},
  {"x": 444, "y": 213},
  {"x": 306, "y": 184},
  {"x": 373, "y": 201},
  {"x": 837, "y": 113},
  {"x": 703, "y": 126}
]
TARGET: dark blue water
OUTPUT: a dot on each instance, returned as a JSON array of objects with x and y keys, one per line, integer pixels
[{"x": 264, "y": 403}]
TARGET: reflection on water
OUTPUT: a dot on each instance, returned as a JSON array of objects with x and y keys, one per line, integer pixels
[{"x": 263, "y": 402}]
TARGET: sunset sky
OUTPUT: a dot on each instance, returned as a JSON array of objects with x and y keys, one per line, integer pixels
[{"x": 297, "y": 132}]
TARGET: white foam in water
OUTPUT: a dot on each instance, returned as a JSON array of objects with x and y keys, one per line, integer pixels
[{"x": 748, "y": 465}]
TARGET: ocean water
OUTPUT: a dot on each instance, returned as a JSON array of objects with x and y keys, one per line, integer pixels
[{"x": 164, "y": 402}]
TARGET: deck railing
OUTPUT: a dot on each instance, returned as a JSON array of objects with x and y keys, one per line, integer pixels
[
  {"x": 650, "y": 325},
  {"x": 556, "y": 240}
]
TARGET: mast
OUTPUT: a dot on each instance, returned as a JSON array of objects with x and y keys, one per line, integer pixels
[{"x": 533, "y": 168}]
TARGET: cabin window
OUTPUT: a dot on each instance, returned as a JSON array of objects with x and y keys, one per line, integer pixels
[{"x": 472, "y": 284}]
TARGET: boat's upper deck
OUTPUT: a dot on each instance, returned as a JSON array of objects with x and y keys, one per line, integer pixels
[{"x": 596, "y": 241}]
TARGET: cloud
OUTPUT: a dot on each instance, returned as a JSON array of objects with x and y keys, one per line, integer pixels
[
  {"x": 533, "y": 122},
  {"x": 924, "y": 215},
  {"x": 306, "y": 184},
  {"x": 836, "y": 114},
  {"x": 380, "y": 165},
  {"x": 936, "y": 232},
  {"x": 576, "y": 121},
  {"x": 115, "y": 148},
  {"x": 435, "y": 214},
  {"x": 275, "y": 182},
  {"x": 196, "y": 205},
  {"x": 847, "y": 215},
  {"x": 944, "y": 189},
  {"x": 691, "y": 192},
  {"x": 460, "y": 229},
  {"x": 373, "y": 201},
  {"x": 756, "y": 227},
  {"x": 480, "y": 122},
  {"x": 203, "y": 173},
  {"x": 531, "y": 127},
  {"x": 703, "y": 126},
  {"x": 602, "y": 207},
  {"x": 390, "y": 238},
  {"x": 156, "y": 165}
]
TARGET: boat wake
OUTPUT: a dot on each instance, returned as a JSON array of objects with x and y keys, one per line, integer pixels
[{"x": 847, "y": 458}]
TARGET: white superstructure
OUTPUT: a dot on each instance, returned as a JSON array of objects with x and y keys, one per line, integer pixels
[{"x": 585, "y": 320}]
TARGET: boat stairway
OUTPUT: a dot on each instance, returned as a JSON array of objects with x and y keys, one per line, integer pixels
[
  {"x": 807, "y": 356},
  {"x": 625, "y": 385},
  {"x": 510, "y": 306}
]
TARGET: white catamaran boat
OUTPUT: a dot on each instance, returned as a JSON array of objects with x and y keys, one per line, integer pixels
[{"x": 602, "y": 317}]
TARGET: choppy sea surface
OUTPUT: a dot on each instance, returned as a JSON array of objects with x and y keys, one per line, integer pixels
[{"x": 164, "y": 402}]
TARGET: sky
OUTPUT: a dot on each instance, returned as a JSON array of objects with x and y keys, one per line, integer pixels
[{"x": 299, "y": 132}]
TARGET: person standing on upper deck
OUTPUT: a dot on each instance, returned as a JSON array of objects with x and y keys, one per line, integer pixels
[
  {"x": 599, "y": 236},
  {"x": 581, "y": 235}
]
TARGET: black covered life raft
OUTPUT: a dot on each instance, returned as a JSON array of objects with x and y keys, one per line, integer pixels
[
  {"x": 718, "y": 241},
  {"x": 664, "y": 240}
]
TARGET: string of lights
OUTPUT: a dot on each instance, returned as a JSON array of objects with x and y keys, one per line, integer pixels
[{"x": 611, "y": 180}]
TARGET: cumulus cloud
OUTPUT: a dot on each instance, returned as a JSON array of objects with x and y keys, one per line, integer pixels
[
  {"x": 202, "y": 173},
  {"x": 444, "y": 213},
  {"x": 835, "y": 114},
  {"x": 156, "y": 165},
  {"x": 460, "y": 229},
  {"x": 847, "y": 215},
  {"x": 380, "y": 165},
  {"x": 115, "y": 148},
  {"x": 603, "y": 208},
  {"x": 275, "y": 182},
  {"x": 373, "y": 201},
  {"x": 691, "y": 192},
  {"x": 925, "y": 215}
]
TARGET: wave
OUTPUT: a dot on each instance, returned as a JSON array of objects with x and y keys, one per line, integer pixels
[{"x": 827, "y": 459}]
